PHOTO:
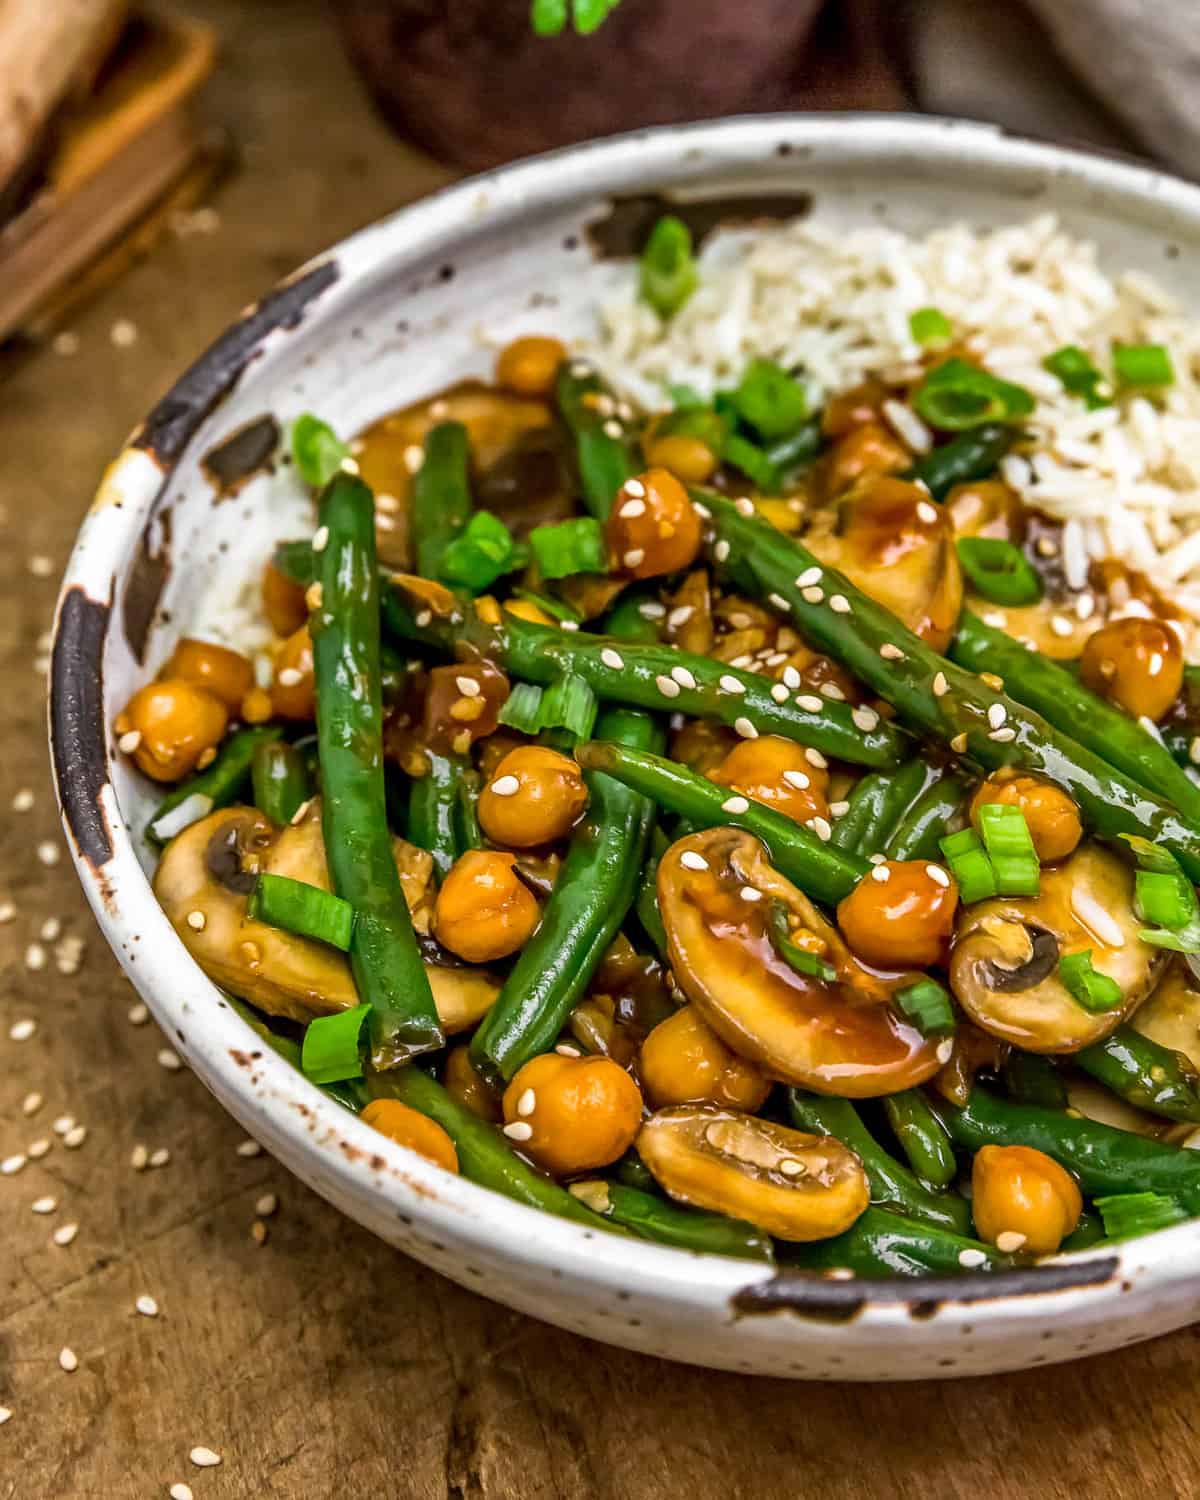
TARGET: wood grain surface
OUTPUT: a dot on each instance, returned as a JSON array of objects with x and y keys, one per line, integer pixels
[{"x": 321, "y": 1363}]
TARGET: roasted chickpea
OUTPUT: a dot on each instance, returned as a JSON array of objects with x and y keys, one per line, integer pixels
[
  {"x": 529, "y": 364},
  {"x": 1021, "y": 1199},
  {"x": 283, "y": 602},
  {"x": 461, "y": 1080},
  {"x": 683, "y": 1061},
  {"x": 294, "y": 690},
  {"x": 687, "y": 457},
  {"x": 901, "y": 915},
  {"x": 224, "y": 673},
  {"x": 1136, "y": 663},
  {"x": 484, "y": 911},
  {"x": 177, "y": 724},
  {"x": 407, "y": 1126},
  {"x": 1052, "y": 817},
  {"x": 869, "y": 448},
  {"x": 534, "y": 797},
  {"x": 778, "y": 773},
  {"x": 581, "y": 1112},
  {"x": 653, "y": 527}
]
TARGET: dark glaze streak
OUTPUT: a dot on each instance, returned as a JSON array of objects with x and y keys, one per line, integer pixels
[
  {"x": 147, "y": 579},
  {"x": 236, "y": 459},
  {"x": 841, "y": 1301},
  {"x": 627, "y": 225},
  {"x": 77, "y": 723},
  {"x": 171, "y": 424}
]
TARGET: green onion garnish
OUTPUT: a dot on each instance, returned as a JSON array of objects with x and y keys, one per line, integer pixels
[
  {"x": 700, "y": 422},
  {"x": 1172, "y": 897},
  {"x": 549, "y": 17},
  {"x": 1009, "y": 846},
  {"x": 317, "y": 450},
  {"x": 686, "y": 398},
  {"x": 333, "y": 1046},
  {"x": 481, "y": 553},
  {"x": 752, "y": 461},
  {"x": 306, "y": 910},
  {"x": 999, "y": 571},
  {"x": 1165, "y": 900},
  {"x": 1128, "y": 1214},
  {"x": 1079, "y": 375},
  {"x": 770, "y": 400},
  {"x": 570, "y": 547},
  {"x": 522, "y": 708},
  {"x": 569, "y": 703},
  {"x": 1143, "y": 364},
  {"x": 969, "y": 865},
  {"x": 668, "y": 270},
  {"x": 929, "y": 325},
  {"x": 927, "y": 1005},
  {"x": 558, "y": 609},
  {"x": 792, "y": 954},
  {"x": 1094, "y": 991},
  {"x": 956, "y": 395}
]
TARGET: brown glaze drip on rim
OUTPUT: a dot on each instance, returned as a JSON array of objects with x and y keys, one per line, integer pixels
[
  {"x": 627, "y": 225},
  {"x": 831, "y": 1301},
  {"x": 77, "y": 723},
  {"x": 144, "y": 587},
  {"x": 243, "y": 454}
]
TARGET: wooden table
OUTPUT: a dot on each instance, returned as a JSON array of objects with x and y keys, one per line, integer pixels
[{"x": 321, "y": 1363}]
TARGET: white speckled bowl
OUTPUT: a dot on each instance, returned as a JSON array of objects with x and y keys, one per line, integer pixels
[{"x": 392, "y": 314}]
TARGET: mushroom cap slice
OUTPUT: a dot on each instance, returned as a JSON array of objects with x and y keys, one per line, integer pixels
[
  {"x": 794, "y": 1185},
  {"x": 1004, "y": 965},
  {"x": 834, "y": 1037},
  {"x": 203, "y": 881},
  {"x": 1171, "y": 1016}
]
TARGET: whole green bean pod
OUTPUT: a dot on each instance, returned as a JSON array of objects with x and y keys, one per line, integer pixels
[
  {"x": 866, "y": 803},
  {"x": 645, "y": 903},
  {"x": 1061, "y": 699},
  {"x": 892, "y": 1185},
  {"x": 1031, "y": 1078},
  {"x": 602, "y": 446},
  {"x": 933, "y": 695},
  {"x": 466, "y": 812},
  {"x": 594, "y": 891},
  {"x": 440, "y": 496},
  {"x": 882, "y": 1243},
  {"x": 1144, "y": 1074},
  {"x": 972, "y": 455},
  {"x": 822, "y": 872},
  {"x": 888, "y": 808},
  {"x": 653, "y": 1218},
  {"x": 344, "y": 624},
  {"x": 435, "y": 809},
  {"x": 922, "y": 1137},
  {"x": 279, "y": 776},
  {"x": 217, "y": 785},
  {"x": 919, "y": 830}
]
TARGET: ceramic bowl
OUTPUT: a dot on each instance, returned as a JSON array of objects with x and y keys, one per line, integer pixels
[{"x": 187, "y": 512}]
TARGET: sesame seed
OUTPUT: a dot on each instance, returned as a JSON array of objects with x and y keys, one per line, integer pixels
[
  {"x": 721, "y": 550},
  {"x": 181, "y": 1492},
  {"x": 997, "y": 713},
  {"x": 926, "y": 512},
  {"x": 799, "y": 779},
  {"x": 22, "y": 1030},
  {"x": 1003, "y": 736},
  {"x": 468, "y": 686},
  {"x": 138, "y": 1158},
  {"x": 564, "y": 1049},
  {"x": 506, "y": 786},
  {"x": 35, "y": 957},
  {"x": 266, "y": 1205},
  {"x": 50, "y": 929},
  {"x": 8, "y": 911},
  {"x": 39, "y": 1148},
  {"x": 75, "y": 1138},
  {"x": 634, "y": 557},
  {"x": 159, "y": 1157},
  {"x": 683, "y": 677},
  {"x": 839, "y": 604},
  {"x": 812, "y": 595},
  {"x": 882, "y": 874},
  {"x": 1085, "y": 606},
  {"x": 527, "y": 1103},
  {"x": 945, "y": 1051},
  {"x": 735, "y": 805},
  {"x": 938, "y": 875},
  {"x": 612, "y": 429},
  {"x": 876, "y": 859},
  {"x": 413, "y": 457},
  {"x": 667, "y": 686},
  {"x": 690, "y": 860},
  {"x": 779, "y": 692},
  {"x": 197, "y": 921},
  {"x": 839, "y": 809},
  {"x": 612, "y": 659},
  {"x": 1061, "y": 625},
  {"x": 810, "y": 703},
  {"x": 634, "y": 487},
  {"x": 23, "y": 800},
  {"x": 45, "y": 1205},
  {"x": 791, "y": 678},
  {"x": 750, "y": 893},
  {"x": 652, "y": 610},
  {"x": 11, "y": 1165},
  {"x": 41, "y": 566},
  {"x": 808, "y": 578},
  {"x": 48, "y": 852},
  {"x": 777, "y": 600},
  {"x": 821, "y": 827},
  {"x": 204, "y": 1458},
  {"x": 64, "y": 1234},
  {"x": 959, "y": 743},
  {"x": 745, "y": 729},
  {"x": 63, "y": 1124},
  {"x": 31, "y": 1104},
  {"x": 129, "y": 741},
  {"x": 248, "y": 1148},
  {"x": 146, "y": 1306},
  {"x": 518, "y": 1130},
  {"x": 790, "y": 1167},
  {"x": 970, "y": 1258},
  {"x": 314, "y": 595},
  {"x": 815, "y": 758},
  {"x": 169, "y": 1059},
  {"x": 1009, "y": 1240},
  {"x": 743, "y": 506},
  {"x": 138, "y": 1014},
  {"x": 68, "y": 1360},
  {"x": 632, "y": 508},
  {"x": 890, "y": 652},
  {"x": 831, "y": 691},
  {"x": 992, "y": 681},
  {"x": 1046, "y": 547},
  {"x": 730, "y": 684},
  {"x": 940, "y": 686},
  {"x": 996, "y": 618}
]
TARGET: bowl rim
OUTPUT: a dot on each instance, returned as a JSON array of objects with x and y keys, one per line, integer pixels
[{"x": 267, "y": 1094}]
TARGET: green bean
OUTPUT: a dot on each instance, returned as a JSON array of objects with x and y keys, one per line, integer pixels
[
  {"x": 866, "y": 803},
  {"x": 926, "y": 820},
  {"x": 646, "y": 901},
  {"x": 822, "y": 872},
  {"x": 974, "y": 455},
  {"x": 602, "y": 449},
  {"x": 218, "y": 784},
  {"x": 904, "y": 787},
  {"x": 468, "y": 833},
  {"x": 922, "y": 1137},
  {"x": 788, "y": 453},
  {"x": 393, "y": 673},
  {"x": 626, "y": 622},
  {"x": 1030, "y": 1078},
  {"x": 882, "y": 1243},
  {"x": 1059, "y": 696},
  {"x": 1144, "y": 1074},
  {"x": 279, "y": 776},
  {"x": 651, "y": 1217},
  {"x": 633, "y": 1172},
  {"x": 384, "y": 959},
  {"x": 935, "y": 697},
  {"x": 435, "y": 809},
  {"x": 1088, "y": 1232},
  {"x": 440, "y": 496},
  {"x": 892, "y": 1185},
  {"x": 591, "y": 897}
]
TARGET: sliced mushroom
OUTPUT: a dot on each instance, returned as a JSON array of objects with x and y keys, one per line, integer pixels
[
  {"x": 204, "y": 879},
  {"x": 715, "y": 890},
  {"x": 1004, "y": 967},
  {"x": 890, "y": 540},
  {"x": 1171, "y": 1016},
  {"x": 796, "y": 1186},
  {"x": 1094, "y": 1102}
]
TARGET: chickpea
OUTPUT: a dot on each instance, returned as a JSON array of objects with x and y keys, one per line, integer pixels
[
  {"x": 484, "y": 911},
  {"x": 653, "y": 527},
  {"x": 778, "y": 773},
  {"x": 901, "y": 915},
  {"x": 407, "y": 1126},
  {"x": 683, "y": 1061},
  {"x": 582, "y": 1112},
  {"x": 866, "y": 449},
  {"x": 224, "y": 673},
  {"x": 283, "y": 602},
  {"x": 1052, "y": 817},
  {"x": 461, "y": 1080},
  {"x": 177, "y": 723},
  {"x": 1019, "y": 1191},
  {"x": 687, "y": 457},
  {"x": 1136, "y": 663},
  {"x": 528, "y": 365},
  {"x": 534, "y": 797},
  {"x": 294, "y": 691}
]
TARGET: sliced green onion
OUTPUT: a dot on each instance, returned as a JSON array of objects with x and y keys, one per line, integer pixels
[
  {"x": 306, "y": 910},
  {"x": 1095, "y": 992},
  {"x": 956, "y": 395},
  {"x": 1009, "y": 846},
  {"x": 317, "y": 450},
  {"x": 589, "y": 14},
  {"x": 522, "y": 708},
  {"x": 1176, "y": 900},
  {"x": 770, "y": 400},
  {"x": 480, "y": 553},
  {"x": 333, "y": 1046},
  {"x": 752, "y": 461},
  {"x": 1129, "y": 1214},
  {"x": 548, "y": 17},
  {"x": 570, "y": 547},
  {"x": 1079, "y": 375},
  {"x": 1143, "y": 364},
  {"x": 927, "y": 1005},
  {"x": 792, "y": 954},
  {"x": 570, "y": 704},
  {"x": 668, "y": 270},
  {"x": 686, "y": 398},
  {"x": 929, "y": 325},
  {"x": 969, "y": 865},
  {"x": 1166, "y": 900},
  {"x": 558, "y": 609},
  {"x": 999, "y": 571}
]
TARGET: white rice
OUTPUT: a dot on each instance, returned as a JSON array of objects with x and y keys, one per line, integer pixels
[{"x": 837, "y": 303}]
